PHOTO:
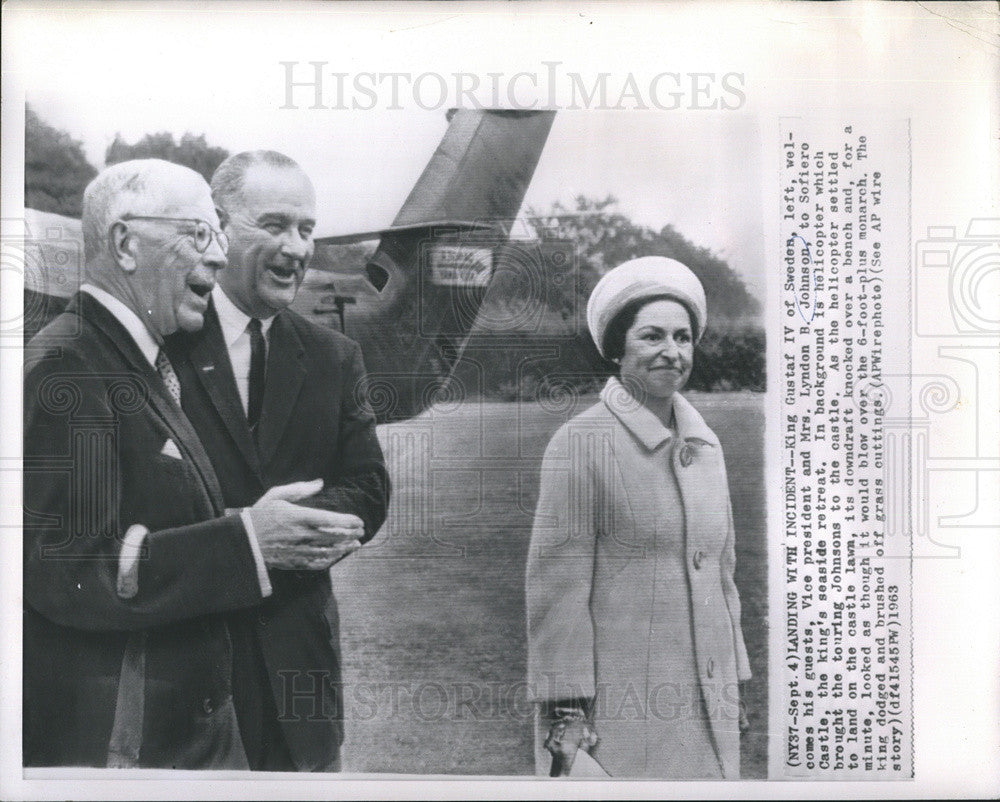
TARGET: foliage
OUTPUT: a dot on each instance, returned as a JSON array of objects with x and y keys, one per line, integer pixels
[
  {"x": 342, "y": 257},
  {"x": 723, "y": 361},
  {"x": 730, "y": 356},
  {"x": 603, "y": 238},
  {"x": 730, "y": 360},
  {"x": 192, "y": 151},
  {"x": 56, "y": 171}
]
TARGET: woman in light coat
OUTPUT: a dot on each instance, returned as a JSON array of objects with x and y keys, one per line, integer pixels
[{"x": 633, "y": 616}]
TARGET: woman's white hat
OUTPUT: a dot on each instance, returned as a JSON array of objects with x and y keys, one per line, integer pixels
[{"x": 644, "y": 278}]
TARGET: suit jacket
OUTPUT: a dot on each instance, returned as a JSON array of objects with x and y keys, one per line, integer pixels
[
  {"x": 98, "y": 422},
  {"x": 311, "y": 425}
]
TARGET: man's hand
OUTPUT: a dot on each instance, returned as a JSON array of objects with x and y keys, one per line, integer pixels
[
  {"x": 296, "y": 491},
  {"x": 298, "y": 538}
]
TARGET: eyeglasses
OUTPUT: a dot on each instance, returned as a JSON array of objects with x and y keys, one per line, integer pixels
[{"x": 201, "y": 234}]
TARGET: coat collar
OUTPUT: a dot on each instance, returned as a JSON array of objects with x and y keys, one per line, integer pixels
[
  {"x": 286, "y": 371},
  {"x": 130, "y": 321},
  {"x": 210, "y": 362},
  {"x": 160, "y": 402},
  {"x": 646, "y": 427},
  {"x": 118, "y": 337}
]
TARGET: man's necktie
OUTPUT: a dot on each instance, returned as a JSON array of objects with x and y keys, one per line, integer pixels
[
  {"x": 258, "y": 362},
  {"x": 166, "y": 371}
]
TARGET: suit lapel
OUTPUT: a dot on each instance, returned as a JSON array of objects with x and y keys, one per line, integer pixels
[
  {"x": 286, "y": 371},
  {"x": 210, "y": 360},
  {"x": 160, "y": 400}
]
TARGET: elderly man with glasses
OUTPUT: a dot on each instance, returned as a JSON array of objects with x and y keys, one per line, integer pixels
[{"x": 130, "y": 560}]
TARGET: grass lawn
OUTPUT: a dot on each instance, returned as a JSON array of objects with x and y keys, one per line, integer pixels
[{"x": 432, "y": 610}]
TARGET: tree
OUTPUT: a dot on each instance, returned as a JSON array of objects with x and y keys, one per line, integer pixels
[
  {"x": 192, "y": 151},
  {"x": 56, "y": 171},
  {"x": 731, "y": 355},
  {"x": 603, "y": 238}
]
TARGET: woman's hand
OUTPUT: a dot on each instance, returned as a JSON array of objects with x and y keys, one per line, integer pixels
[
  {"x": 744, "y": 717},
  {"x": 568, "y": 733}
]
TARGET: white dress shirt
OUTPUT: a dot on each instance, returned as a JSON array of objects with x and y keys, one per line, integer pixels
[
  {"x": 128, "y": 558},
  {"x": 233, "y": 322}
]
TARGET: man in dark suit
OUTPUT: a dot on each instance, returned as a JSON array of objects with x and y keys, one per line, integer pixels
[
  {"x": 129, "y": 562},
  {"x": 275, "y": 400}
]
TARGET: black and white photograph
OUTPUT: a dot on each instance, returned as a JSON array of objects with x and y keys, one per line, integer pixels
[
  {"x": 518, "y": 376},
  {"x": 558, "y": 414}
]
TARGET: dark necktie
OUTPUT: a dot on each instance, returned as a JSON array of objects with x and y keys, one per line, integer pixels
[
  {"x": 258, "y": 362},
  {"x": 166, "y": 371}
]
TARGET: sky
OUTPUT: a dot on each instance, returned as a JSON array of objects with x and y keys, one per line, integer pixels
[
  {"x": 100, "y": 69},
  {"x": 664, "y": 169},
  {"x": 696, "y": 171}
]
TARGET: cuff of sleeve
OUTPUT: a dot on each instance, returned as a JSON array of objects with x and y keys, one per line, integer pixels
[
  {"x": 258, "y": 557},
  {"x": 563, "y": 708},
  {"x": 128, "y": 561},
  {"x": 552, "y": 686},
  {"x": 742, "y": 660},
  {"x": 743, "y": 668}
]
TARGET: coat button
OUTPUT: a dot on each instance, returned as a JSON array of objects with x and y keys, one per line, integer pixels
[
  {"x": 710, "y": 668},
  {"x": 697, "y": 559},
  {"x": 686, "y": 455},
  {"x": 207, "y": 707}
]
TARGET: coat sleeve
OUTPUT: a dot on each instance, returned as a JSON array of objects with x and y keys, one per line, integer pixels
[
  {"x": 728, "y": 570},
  {"x": 74, "y": 520},
  {"x": 559, "y": 577},
  {"x": 355, "y": 479}
]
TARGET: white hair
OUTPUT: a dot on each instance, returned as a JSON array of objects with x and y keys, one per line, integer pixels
[{"x": 134, "y": 187}]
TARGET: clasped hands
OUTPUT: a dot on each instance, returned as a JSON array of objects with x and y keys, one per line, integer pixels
[
  {"x": 296, "y": 538},
  {"x": 570, "y": 732}
]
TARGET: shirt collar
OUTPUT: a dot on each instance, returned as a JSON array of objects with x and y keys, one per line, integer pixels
[
  {"x": 646, "y": 427},
  {"x": 129, "y": 319},
  {"x": 232, "y": 319}
]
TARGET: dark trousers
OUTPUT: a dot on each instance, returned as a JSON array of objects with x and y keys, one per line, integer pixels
[{"x": 253, "y": 698}]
